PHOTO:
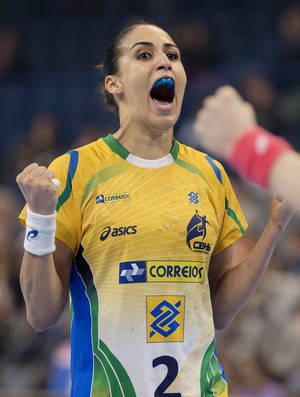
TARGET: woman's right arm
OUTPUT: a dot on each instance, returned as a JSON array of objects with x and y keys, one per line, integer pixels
[
  {"x": 47, "y": 263},
  {"x": 45, "y": 285}
]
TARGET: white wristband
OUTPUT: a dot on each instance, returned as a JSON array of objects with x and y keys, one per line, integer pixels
[{"x": 40, "y": 233}]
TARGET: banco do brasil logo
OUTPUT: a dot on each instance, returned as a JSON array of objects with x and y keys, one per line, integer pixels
[
  {"x": 165, "y": 318},
  {"x": 196, "y": 233}
]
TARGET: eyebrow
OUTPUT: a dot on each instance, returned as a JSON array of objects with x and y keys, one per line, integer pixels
[{"x": 149, "y": 44}]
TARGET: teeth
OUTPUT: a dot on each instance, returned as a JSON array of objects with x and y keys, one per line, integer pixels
[
  {"x": 166, "y": 81},
  {"x": 163, "y": 105}
]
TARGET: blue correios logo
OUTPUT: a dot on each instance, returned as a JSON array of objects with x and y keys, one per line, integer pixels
[
  {"x": 132, "y": 272},
  {"x": 100, "y": 198}
]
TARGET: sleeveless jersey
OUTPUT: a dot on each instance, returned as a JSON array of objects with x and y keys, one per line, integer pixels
[{"x": 143, "y": 233}]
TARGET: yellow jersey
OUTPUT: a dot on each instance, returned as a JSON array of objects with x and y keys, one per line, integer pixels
[{"x": 142, "y": 233}]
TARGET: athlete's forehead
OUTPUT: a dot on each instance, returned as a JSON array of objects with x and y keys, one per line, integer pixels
[{"x": 146, "y": 35}]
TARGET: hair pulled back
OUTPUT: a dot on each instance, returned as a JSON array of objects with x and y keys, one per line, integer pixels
[{"x": 110, "y": 65}]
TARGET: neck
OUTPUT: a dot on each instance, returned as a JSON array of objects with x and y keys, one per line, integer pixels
[{"x": 148, "y": 147}]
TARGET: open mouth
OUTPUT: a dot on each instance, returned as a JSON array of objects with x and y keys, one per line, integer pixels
[{"x": 163, "y": 91}]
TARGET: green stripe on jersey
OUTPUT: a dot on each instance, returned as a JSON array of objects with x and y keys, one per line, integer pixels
[
  {"x": 114, "y": 170},
  {"x": 117, "y": 379},
  {"x": 233, "y": 215},
  {"x": 191, "y": 168},
  {"x": 212, "y": 381}
]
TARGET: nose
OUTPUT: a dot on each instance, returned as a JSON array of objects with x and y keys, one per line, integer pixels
[{"x": 163, "y": 62}]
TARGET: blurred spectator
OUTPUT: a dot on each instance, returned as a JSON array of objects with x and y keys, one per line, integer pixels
[
  {"x": 277, "y": 110},
  {"x": 197, "y": 46},
  {"x": 288, "y": 25},
  {"x": 90, "y": 133},
  {"x": 86, "y": 7},
  {"x": 281, "y": 313},
  {"x": 262, "y": 93},
  {"x": 12, "y": 59},
  {"x": 10, "y": 254},
  {"x": 254, "y": 381},
  {"x": 289, "y": 113},
  {"x": 288, "y": 253},
  {"x": 59, "y": 380},
  {"x": 200, "y": 57},
  {"x": 41, "y": 144},
  {"x": 26, "y": 354},
  {"x": 42, "y": 141},
  {"x": 261, "y": 356}
]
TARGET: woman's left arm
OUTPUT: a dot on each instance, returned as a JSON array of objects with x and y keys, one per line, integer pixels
[{"x": 231, "y": 284}]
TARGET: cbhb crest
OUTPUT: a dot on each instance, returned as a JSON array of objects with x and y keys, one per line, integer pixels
[{"x": 196, "y": 230}]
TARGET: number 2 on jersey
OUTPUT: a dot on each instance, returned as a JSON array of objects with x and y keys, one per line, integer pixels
[{"x": 172, "y": 366}]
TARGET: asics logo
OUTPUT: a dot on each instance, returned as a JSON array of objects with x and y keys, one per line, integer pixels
[
  {"x": 117, "y": 231},
  {"x": 31, "y": 235}
]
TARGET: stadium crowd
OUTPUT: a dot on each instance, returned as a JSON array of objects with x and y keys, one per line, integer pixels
[{"x": 49, "y": 104}]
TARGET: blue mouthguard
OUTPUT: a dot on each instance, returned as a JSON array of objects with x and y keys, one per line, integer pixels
[{"x": 166, "y": 81}]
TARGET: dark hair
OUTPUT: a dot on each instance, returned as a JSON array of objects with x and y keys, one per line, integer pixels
[{"x": 110, "y": 66}]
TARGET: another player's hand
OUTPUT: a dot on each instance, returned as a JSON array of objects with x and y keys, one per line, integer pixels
[
  {"x": 225, "y": 116},
  {"x": 281, "y": 212},
  {"x": 38, "y": 189}
]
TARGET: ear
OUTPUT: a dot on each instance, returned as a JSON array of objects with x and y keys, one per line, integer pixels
[{"x": 113, "y": 85}]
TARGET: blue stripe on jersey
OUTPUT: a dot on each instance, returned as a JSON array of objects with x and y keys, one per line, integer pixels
[
  {"x": 105, "y": 375},
  {"x": 230, "y": 211},
  {"x": 71, "y": 172},
  {"x": 215, "y": 168},
  {"x": 220, "y": 366},
  {"x": 82, "y": 366}
]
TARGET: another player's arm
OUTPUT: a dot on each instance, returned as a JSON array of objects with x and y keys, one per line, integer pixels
[
  {"x": 228, "y": 128},
  {"x": 284, "y": 177},
  {"x": 232, "y": 284},
  {"x": 45, "y": 285}
]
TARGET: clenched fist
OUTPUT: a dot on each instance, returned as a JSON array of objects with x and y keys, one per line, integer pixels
[
  {"x": 224, "y": 118},
  {"x": 38, "y": 188}
]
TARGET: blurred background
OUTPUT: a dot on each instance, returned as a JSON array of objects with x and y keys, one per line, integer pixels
[{"x": 49, "y": 104}]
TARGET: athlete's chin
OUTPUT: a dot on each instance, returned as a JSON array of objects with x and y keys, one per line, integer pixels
[
  {"x": 164, "y": 123},
  {"x": 165, "y": 120}
]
